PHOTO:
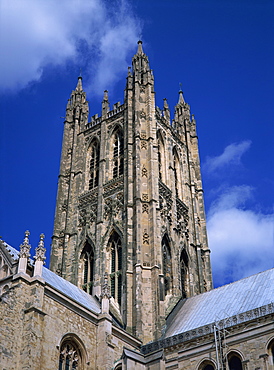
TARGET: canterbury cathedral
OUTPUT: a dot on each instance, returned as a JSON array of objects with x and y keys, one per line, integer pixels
[{"x": 130, "y": 283}]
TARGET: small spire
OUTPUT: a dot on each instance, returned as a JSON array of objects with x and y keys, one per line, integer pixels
[
  {"x": 79, "y": 86},
  {"x": 165, "y": 103},
  {"x": 24, "y": 254},
  {"x": 40, "y": 250},
  {"x": 140, "y": 48},
  {"x": 181, "y": 96},
  {"x": 106, "y": 95},
  {"x": 39, "y": 257},
  {"x": 25, "y": 247}
]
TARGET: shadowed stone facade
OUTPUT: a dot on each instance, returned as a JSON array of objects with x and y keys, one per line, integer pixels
[{"x": 129, "y": 285}]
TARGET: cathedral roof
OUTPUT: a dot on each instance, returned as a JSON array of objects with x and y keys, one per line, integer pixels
[
  {"x": 221, "y": 303},
  {"x": 71, "y": 290},
  {"x": 62, "y": 285}
]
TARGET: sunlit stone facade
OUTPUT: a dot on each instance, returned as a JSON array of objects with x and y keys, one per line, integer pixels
[{"x": 129, "y": 285}]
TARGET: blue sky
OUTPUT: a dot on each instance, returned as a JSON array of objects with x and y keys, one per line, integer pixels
[{"x": 220, "y": 51}]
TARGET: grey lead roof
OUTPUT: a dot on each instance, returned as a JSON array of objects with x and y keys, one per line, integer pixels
[
  {"x": 71, "y": 290},
  {"x": 63, "y": 286},
  {"x": 226, "y": 301}
]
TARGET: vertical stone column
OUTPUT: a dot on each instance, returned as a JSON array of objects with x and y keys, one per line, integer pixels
[{"x": 104, "y": 334}]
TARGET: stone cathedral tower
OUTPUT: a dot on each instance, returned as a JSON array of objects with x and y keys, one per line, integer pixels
[{"x": 130, "y": 204}]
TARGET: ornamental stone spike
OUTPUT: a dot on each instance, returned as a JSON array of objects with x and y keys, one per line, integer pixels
[
  {"x": 24, "y": 254},
  {"x": 105, "y": 295},
  {"x": 39, "y": 257}
]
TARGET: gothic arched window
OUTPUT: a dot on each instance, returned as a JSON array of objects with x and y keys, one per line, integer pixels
[
  {"x": 87, "y": 265},
  {"x": 118, "y": 154},
  {"x": 167, "y": 265},
  {"x": 270, "y": 352},
  {"x": 94, "y": 165},
  {"x": 115, "y": 245},
  {"x": 206, "y": 365},
  {"x": 184, "y": 272},
  {"x": 234, "y": 362},
  {"x": 70, "y": 356},
  {"x": 177, "y": 174},
  {"x": 161, "y": 157}
]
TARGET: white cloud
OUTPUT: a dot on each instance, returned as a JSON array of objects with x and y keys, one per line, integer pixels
[
  {"x": 36, "y": 33},
  {"x": 231, "y": 155},
  {"x": 241, "y": 240}
]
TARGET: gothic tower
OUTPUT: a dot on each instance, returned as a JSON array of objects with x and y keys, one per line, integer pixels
[{"x": 130, "y": 204}]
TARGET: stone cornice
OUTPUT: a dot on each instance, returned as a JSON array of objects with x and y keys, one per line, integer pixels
[{"x": 226, "y": 323}]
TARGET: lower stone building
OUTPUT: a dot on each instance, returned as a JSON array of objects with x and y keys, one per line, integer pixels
[
  {"x": 49, "y": 323},
  {"x": 130, "y": 283}
]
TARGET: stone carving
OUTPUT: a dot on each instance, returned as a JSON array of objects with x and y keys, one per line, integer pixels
[
  {"x": 82, "y": 217},
  {"x": 144, "y": 171},
  {"x": 113, "y": 205},
  {"x": 89, "y": 197},
  {"x": 105, "y": 288},
  {"x": 65, "y": 205},
  {"x": 113, "y": 186},
  {"x": 143, "y": 114},
  {"x": 143, "y": 144},
  {"x": 182, "y": 217},
  {"x": 145, "y": 197},
  {"x": 25, "y": 247},
  {"x": 145, "y": 208},
  {"x": 142, "y": 89},
  {"x": 145, "y": 237}
]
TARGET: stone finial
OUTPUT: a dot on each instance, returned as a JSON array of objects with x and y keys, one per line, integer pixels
[
  {"x": 140, "y": 48},
  {"x": 39, "y": 257},
  {"x": 40, "y": 250},
  {"x": 25, "y": 247},
  {"x": 105, "y": 95},
  {"x": 24, "y": 254},
  {"x": 105, "y": 295},
  {"x": 79, "y": 86},
  {"x": 181, "y": 97},
  {"x": 105, "y": 287}
]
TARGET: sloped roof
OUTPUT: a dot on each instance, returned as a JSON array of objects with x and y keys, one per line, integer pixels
[
  {"x": 226, "y": 301},
  {"x": 62, "y": 285},
  {"x": 70, "y": 290}
]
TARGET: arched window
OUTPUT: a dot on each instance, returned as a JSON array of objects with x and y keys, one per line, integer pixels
[
  {"x": 184, "y": 272},
  {"x": 161, "y": 157},
  {"x": 70, "y": 356},
  {"x": 208, "y": 367},
  {"x": 270, "y": 351},
  {"x": 94, "y": 165},
  {"x": 234, "y": 362},
  {"x": 116, "y": 267},
  {"x": 167, "y": 265},
  {"x": 177, "y": 174},
  {"x": 118, "y": 154},
  {"x": 87, "y": 267}
]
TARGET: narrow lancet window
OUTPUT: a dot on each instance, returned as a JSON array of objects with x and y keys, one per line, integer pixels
[
  {"x": 116, "y": 267},
  {"x": 184, "y": 272},
  {"x": 177, "y": 174},
  {"x": 94, "y": 165},
  {"x": 167, "y": 268},
  {"x": 118, "y": 154},
  {"x": 161, "y": 157},
  {"x": 87, "y": 258}
]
